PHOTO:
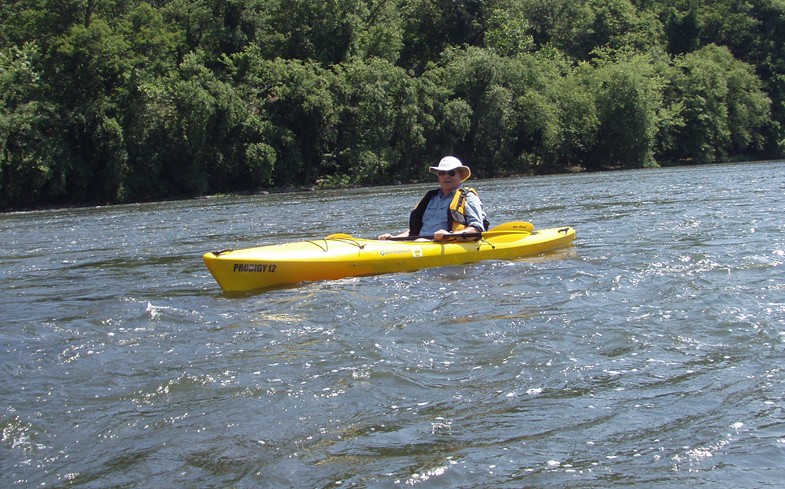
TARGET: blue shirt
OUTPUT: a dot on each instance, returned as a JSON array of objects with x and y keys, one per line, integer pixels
[{"x": 435, "y": 216}]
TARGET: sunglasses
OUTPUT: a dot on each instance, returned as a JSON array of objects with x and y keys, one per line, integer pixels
[{"x": 451, "y": 173}]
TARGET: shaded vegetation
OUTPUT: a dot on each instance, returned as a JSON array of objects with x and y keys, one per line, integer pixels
[{"x": 108, "y": 101}]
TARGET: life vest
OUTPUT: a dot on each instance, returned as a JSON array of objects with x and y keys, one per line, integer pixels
[{"x": 456, "y": 215}]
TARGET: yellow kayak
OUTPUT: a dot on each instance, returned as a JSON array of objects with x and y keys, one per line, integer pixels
[{"x": 341, "y": 255}]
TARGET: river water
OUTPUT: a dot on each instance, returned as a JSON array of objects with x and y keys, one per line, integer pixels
[{"x": 649, "y": 354}]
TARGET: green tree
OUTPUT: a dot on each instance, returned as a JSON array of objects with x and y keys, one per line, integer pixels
[
  {"x": 297, "y": 101},
  {"x": 512, "y": 115},
  {"x": 724, "y": 108},
  {"x": 478, "y": 78},
  {"x": 629, "y": 95},
  {"x": 206, "y": 136},
  {"x": 431, "y": 26},
  {"x": 316, "y": 30},
  {"x": 31, "y": 153},
  {"x": 153, "y": 44},
  {"x": 122, "y": 100},
  {"x": 730, "y": 23},
  {"x": 577, "y": 28},
  {"x": 768, "y": 57},
  {"x": 619, "y": 25},
  {"x": 508, "y": 32},
  {"x": 557, "y": 119},
  {"x": 380, "y": 31},
  {"x": 557, "y": 23},
  {"x": 682, "y": 28},
  {"x": 382, "y": 127},
  {"x": 88, "y": 68},
  {"x": 196, "y": 20}
]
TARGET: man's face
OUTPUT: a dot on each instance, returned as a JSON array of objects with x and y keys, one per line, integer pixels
[{"x": 449, "y": 180}]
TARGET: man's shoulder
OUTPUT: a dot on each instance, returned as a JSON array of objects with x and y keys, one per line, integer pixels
[{"x": 470, "y": 193}]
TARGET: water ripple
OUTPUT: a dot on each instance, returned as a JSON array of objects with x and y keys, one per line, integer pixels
[{"x": 647, "y": 355}]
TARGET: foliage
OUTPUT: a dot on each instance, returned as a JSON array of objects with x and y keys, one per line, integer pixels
[
  {"x": 132, "y": 100},
  {"x": 628, "y": 93},
  {"x": 724, "y": 107},
  {"x": 29, "y": 161}
]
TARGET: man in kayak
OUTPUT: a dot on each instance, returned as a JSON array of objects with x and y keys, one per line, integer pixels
[{"x": 451, "y": 211}]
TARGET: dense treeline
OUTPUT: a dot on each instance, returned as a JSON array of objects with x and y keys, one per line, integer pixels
[{"x": 125, "y": 100}]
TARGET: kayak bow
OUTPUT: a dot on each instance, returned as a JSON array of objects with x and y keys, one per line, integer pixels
[{"x": 341, "y": 255}]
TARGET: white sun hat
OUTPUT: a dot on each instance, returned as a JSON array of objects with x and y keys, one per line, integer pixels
[{"x": 451, "y": 163}]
